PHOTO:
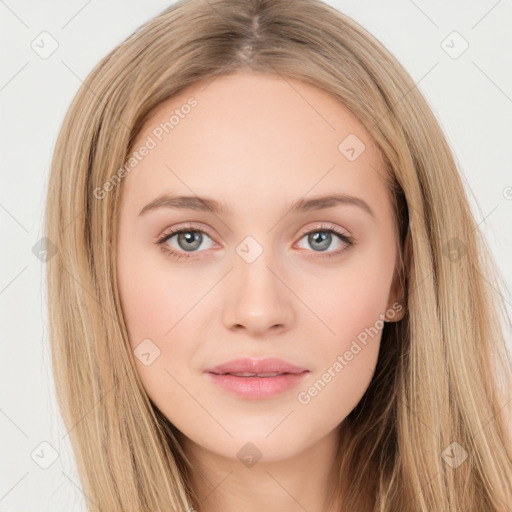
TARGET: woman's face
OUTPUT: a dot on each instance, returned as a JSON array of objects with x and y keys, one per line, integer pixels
[{"x": 256, "y": 278}]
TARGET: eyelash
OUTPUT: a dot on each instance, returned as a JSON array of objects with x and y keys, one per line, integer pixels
[{"x": 349, "y": 241}]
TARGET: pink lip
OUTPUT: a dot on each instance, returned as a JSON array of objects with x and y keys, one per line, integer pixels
[
  {"x": 246, "y": 364},
  {"x": 256, "y": 387}
]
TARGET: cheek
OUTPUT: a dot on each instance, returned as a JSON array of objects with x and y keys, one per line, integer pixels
[
  {"x": 347, "y": 356},
  {"x": 351, "y": 305},
  {"x": 153, "y": 297},
  {"x": 352, "y": 299},
  {"x": 160, "y": 309}
]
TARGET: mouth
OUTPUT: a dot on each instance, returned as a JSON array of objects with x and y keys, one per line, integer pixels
[
  {"x": 250, "y": 367},
  {"x": 248, "y": 374}
]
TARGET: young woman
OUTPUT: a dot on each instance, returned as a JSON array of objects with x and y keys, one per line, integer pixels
[{"x": 270, "y": 292}]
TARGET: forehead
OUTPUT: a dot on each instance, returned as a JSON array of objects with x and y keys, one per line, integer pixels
[{"x": 250, "y": 137}]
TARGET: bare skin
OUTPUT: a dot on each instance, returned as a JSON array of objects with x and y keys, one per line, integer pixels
[{"x": 254, "y": 144}]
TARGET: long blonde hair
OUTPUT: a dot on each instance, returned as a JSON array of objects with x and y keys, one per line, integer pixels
[{"x": 443, "y": 372}]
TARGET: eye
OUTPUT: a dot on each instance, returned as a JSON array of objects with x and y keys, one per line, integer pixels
[
  {"x": 188, "y": 239},
  {"x": 321, "y": 238}
]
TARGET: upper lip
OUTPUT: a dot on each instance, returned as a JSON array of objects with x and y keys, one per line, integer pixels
[{"x": 248, "y": 365}]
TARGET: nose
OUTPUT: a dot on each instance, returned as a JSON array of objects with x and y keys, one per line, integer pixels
[{"x": 258, "y": 298}]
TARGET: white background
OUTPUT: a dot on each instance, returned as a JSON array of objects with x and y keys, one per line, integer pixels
[{"x": 470, "y": 95}]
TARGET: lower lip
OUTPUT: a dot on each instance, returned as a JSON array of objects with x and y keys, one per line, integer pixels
[{"x": 258, "y": 387}]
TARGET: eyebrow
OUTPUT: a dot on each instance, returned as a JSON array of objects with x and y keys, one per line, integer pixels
[{"x": 211, "y": 205}]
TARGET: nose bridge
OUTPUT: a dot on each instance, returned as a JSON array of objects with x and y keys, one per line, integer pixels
[{"x": 259, "y": 299}]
